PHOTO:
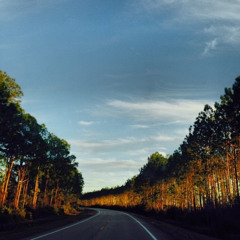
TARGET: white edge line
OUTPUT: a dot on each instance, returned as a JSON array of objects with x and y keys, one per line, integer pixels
[
  {"x": 152, "y": 236},
  {"x": 69, "y": 226}
]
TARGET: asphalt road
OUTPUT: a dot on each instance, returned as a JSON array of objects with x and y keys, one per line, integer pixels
[{"x": 106, "y": 225}]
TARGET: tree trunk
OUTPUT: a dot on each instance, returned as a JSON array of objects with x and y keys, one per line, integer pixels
[
  {"x": 25, "y": 188},
  {"x": 6, "y": 183},
  {"x": 228, "y": 180},
  {"x": 56, "y": 196},
  {"x": 236, "y": 172},
  {"x": 36, "y": 190},
  {"x": 45, "y": 196},
  {"x": 51, "y": 199},
  {"x": 3, "y": 183},
  {"x": 21, "y": 176}
]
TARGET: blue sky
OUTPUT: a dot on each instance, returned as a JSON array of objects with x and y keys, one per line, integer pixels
[{"x": 122, "y": 79}]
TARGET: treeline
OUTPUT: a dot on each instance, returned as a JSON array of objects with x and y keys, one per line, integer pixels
[
  {"x": 36, "y": 168},
  {"x": 203, "y": 173}
]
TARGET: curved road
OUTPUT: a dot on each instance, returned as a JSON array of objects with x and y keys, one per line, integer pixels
[{"x": 107, "y": 225}]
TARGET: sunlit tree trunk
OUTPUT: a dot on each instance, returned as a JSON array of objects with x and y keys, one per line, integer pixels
[
  {"x": 228, "y": 179},
  {"x": 3, "y": 183},
  {"x": 56, "y": 196},
  {"x": 21, "y": 176},
  {"x": 25, "y": 189},
  {"x": 223, "y": 188},
  {"x": 236, "y": 172},
  {"x": 36, "y": 189},
  {"x": 6, "y": 182},
  {"x": 218, "y": 183},
  {"x": 51, "y": 198},
  {"x": 45, "y": 196}
]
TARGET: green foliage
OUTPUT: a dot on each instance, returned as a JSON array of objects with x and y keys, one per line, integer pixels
[
  {"x": 38, "y": 167},
  {"x": 203, "y": 173},
  {"x": 153, "y": 170},
  {"x": 10, "y": 91}
]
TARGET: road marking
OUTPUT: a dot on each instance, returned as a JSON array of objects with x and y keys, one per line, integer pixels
[
  {"x": 152, "y": 236},
  {"x": 69, "y": 226}
]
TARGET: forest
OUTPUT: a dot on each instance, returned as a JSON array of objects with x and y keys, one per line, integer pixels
[
  {"x": 199, "y": 182},
  {"x": 36, "y": 167},
  {"x": 201, "y": 177}
]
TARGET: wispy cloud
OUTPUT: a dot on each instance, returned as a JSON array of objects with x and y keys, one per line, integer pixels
[
  {"x": 85, "y": 123},
  {"x": 226, "y": 34},
  {"x": 99, "y": 173},
  {"x": 139, "y": 126},
  {"x": 122, "y": 145},
  {"x": 214, "y": 9},
  {"x": 204, "y": 9},
  {"x": 110, "y": 165},
  {"x": 180, "y": 110},
  {"x": 210, "y": 46},
  {"x": 222, "y": 18},
  {"x": 222, "y": 34}
]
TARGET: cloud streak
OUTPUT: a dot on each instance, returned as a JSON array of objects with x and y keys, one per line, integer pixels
[
  {"x": 139, "y": 126},
  {"x": 227, "y": 34},
  {"x": 180, "y": 110},
  {"x": 110, "y": 165},
  {"x": 222, "y": 18},
  {"x": 204, "y": 9},
  {"x": 85, "y": 123},
  {"x": 119, "y": 145},
  {"x": 211, "y": 45},
  {"x": 214, "y": 10}
]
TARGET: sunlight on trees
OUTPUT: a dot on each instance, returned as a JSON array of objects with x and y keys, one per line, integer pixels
[
  {"x": 36, "y": 168},
  {"x": 202, "y": 173}
]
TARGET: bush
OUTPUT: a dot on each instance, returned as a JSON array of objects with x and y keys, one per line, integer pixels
[
  {"x": 44, "y": 212},
  {"x": 174, "y": 213},
  {"x": 19, "y": 215},
  {"x": 8, "y": 215}
]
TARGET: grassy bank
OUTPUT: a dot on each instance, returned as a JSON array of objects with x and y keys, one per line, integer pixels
[{"x": 16, "y": 227}]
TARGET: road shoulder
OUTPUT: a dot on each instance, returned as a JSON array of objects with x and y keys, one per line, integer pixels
[
  {"x": 38, "y": 226},
  {"x": 176, "y": 232}
]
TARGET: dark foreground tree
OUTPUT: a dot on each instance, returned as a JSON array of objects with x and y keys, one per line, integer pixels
[{"x": 36, "y": 166}]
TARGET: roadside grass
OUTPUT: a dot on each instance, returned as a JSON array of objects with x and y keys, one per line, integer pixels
[{"x": 31, "y": 228}]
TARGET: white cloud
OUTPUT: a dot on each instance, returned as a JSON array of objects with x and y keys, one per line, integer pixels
[
  {"x": 203, "y": 9},
  {"x": 226, "y": 34},
  {"x": 222, "y": 16},
  {"x": 98, "y": 180},
  {"x": 110, "y": 165},
  {"x": 110, "y": 172},
  {"x": 139, "y": 126},
  {"x": 107, "y": 172},
  {"x": 222, "y": 34},
  {"x": 215, "y": 9},
  {"x": 125, "y": 146},
  {"x": 121, "y": 158},
  {"x": 180, "y": 110},
  {"x": 231, "y": 34},
  {"x": 85, "y": 123},
  {"x": 210, "y": 46},
  {"x": 155, "y": 4}
]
